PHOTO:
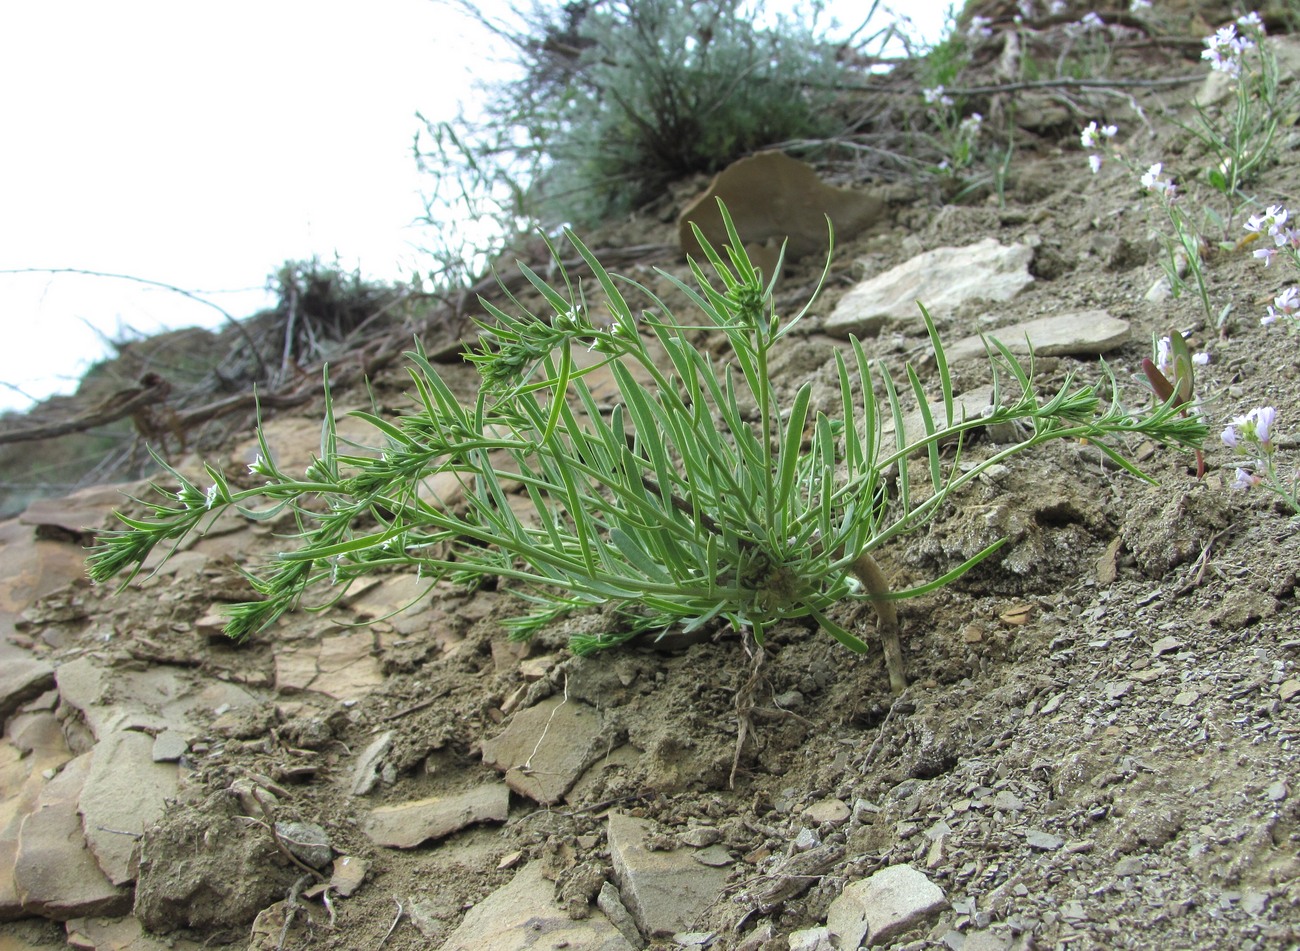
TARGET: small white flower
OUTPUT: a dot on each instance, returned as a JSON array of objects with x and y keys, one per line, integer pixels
[
  {"x": 1091, "y": 21},
  {"x": 1139, "y": 6},
  {"x": 1266, "y": 255},
  {"x": 1201, "y": 359},
  {"x": 1244, "y": 479},
  {"x": 1288, "y": 301},
  {"x": 1229, "y": 436},
  {"x": 1251, "y": 23},
  {"x": 979, "y": 28},
  {"x": 210, "y": 497},
  {"x": 1094, "y": 163}
]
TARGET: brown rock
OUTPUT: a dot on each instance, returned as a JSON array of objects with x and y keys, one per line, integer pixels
[
  {"x": 54, "y": 872},
  {"x": 546, "y": 748},
  {"x": 408, "y": 824},
  {"x": 772, "y": 197},
  {"x": 124, "y": 794}
]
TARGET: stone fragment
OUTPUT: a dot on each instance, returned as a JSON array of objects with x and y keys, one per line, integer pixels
[
  {"x": 55, "y": 875},
  {"x": 308, "y": 842},
  {"x": 1277, "y": 791},
  {"x": 523, "y": 914},
  {"x": 349, "y": 873},
  {"x": 870, "y": 911},
  {"x": 665, "y": 891},
  {"x": 811, "y": 939},
  {"x": 408, "y": 824},
  {"x": 343, "y": 666},
  {"x": 1166, "y": 645},
  {"x": 942, "y": 279},
  {"x": 611, "y": 903},
  {"x": 1288, "y": 690},
  {"x": 715, "y": 856},
  {"x": 1186, "y": 698},
  {"x": 772, "y": 197},
  {"x": 22, "y": 679},
  {"x": 121, "y": 934},
  {"x": 30, "y": 568},
  {"x": 697, "y": 837},
  {"x": 169, "y": 746},
  {"x": 366, "y": 772},
  {"x": 1082, "y": 333},
  {"x": 124, "y": 793},
  {"x": 546, "y": 748},
  {"x": 1043, "y": 841},
  {"x": 828, "y": 810}
]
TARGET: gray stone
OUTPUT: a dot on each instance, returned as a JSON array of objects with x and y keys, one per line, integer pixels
[
  {"x": 714, "y": 856},
  {"x": 665, "y": 891},
  {"x": 698, "y": 837},
  {"x": 408, "y": 824},
  {"x": 121, "y": 934},
  {"x": 546, "y": 748},
  {"x": 811, "y": 939},
  {"x": 834, "y": 811},
  {"x": 875, "y": 909},
  {"x": 1080, "y": 333},
  {"x": 611, "y": 903},
  {"x": 55, "y": 875},
  {"x": 772, "y": 197},
  {"x": 349, "y": 873},
  {"x": 22, "y": 679},
  {"x": 366, "y": 773},
  {"x": 523, "y": 914},
  {"x": 942, "y": 279},
  {"x": 169, "y": 746},
  {"x": 125, "y": 793},
  {"x": 1043, "y": 841},
  {"x": 307, "y": 841}
]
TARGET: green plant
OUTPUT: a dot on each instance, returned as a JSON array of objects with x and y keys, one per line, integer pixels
[{"x": 700, "y": 496}]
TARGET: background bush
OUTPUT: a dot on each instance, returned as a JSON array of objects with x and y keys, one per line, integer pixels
[{"x": 617, "y": 99}]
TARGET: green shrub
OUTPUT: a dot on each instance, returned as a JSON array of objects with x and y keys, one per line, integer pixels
[{"x": 618, "y": 99}]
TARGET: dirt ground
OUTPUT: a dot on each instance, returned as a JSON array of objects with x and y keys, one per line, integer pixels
[{"x": 1100, "y": 745}]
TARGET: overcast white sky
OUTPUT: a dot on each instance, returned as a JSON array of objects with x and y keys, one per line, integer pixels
[{"x": 202, "y": 145}]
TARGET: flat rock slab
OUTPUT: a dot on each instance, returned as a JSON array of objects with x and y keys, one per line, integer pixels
[
  {"x": 30, "y": 568},
  {"x": 546, "y": 748},
  {"x": 942, "y": 279},
  {"x": 666, "y": 892},
  {"x": 873, "y": 910},
  {"x": 408, "y": 824},
  {"x": 121, "y": 934},
  {"x": 83, "y": 512},
  {"x": 773, "y": 196},
  {"x": 342, "y": 666},
  {"x": 22, "y": 679},
  {"x": 124, "y": 793},
  {"x": 523, "y": 914},
  {"x": 55, "y": 875},
  {"x": 155, "y": 699},
  {"x": 1079, "y": 333}
]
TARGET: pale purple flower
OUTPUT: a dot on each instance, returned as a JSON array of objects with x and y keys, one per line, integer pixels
[
  {"x": 1094, "y": 163},
  {"x": 1264, "y": 416},
  {"x": 1152, "y": 181},
  {"x": 1164, "y": 355},
  {"x": 1224, "y": 50},
  {"x": 979, "y": 28},
  {"x": 1056, "y": 7},
  {"x": 1245, "y": 479},
  {"x": 1091, "y": 21},
  {"x": 1230, "y": 437},
  {"x": 936, "y": 96},
  {"x": 1266, "y": 255},
  {"x": 1288, "y": 301},
  {"x": 1252, "y": 24}
]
